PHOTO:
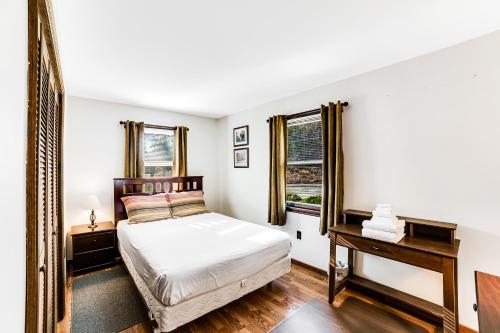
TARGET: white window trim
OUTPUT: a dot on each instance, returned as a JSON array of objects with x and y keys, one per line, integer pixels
[
  {"x": 158, "y": 163},
  {"x": 309, "y": 162}
]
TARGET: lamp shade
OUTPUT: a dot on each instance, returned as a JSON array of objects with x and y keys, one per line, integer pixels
[{"x": 92, "y": 202}]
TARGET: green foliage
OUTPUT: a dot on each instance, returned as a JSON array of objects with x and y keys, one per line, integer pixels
[
  {"x": 293, "y": 197},
  {"x": 314, "y": 200}
]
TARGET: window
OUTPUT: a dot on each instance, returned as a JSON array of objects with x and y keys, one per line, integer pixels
[
  {"x": 158, "y": 152},
  {"x": 305, "y": 157}
]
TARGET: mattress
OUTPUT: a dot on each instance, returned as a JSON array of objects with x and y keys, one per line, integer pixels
[{"x": 181, "y": 258}]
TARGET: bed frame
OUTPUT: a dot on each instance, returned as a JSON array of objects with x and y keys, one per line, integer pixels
[
  {"x": 134, "y": 186},
  {"x": 167, "y": 318}
]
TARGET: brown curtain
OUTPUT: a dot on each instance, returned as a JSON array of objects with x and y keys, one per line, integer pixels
[
  {"x": 278, "y": 154},
  {"x": 180, "y": 154},
  {"x": 333, "y": 167},
  {"x": 134, "y": 149}
]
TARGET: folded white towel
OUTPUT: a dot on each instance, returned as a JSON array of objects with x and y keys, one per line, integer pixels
[
  {"x": 392, "y": 219},
  {"x": 382, "y": 235},
  {"x": 375, "y": 224},
  {"x": 383, "y": 212}
]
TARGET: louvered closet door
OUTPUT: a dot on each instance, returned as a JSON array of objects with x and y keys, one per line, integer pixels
[
  {"x": 45, "y": 289},
  {"x": 47, "y": 195},
  {"x": 43, "y": 105}
]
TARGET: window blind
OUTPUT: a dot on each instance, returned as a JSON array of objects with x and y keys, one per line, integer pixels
[{"x": 305, "y": 156}]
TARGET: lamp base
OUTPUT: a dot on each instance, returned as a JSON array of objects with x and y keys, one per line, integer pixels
[{"x": 92, "y": 224}]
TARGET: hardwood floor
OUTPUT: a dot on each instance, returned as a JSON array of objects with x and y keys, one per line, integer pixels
[
  {"x": 354, "y": 315},
  {"x": 260, "y": 311}
]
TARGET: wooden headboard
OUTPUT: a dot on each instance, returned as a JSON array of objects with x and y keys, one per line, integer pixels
[{"x": 124, "y": 187}]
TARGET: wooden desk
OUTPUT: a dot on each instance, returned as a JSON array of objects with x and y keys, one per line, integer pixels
[
  {"x": 488, "y": 302},
  {"x": 428, "y": 244}
]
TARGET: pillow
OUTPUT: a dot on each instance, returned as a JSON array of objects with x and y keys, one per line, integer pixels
[
  {"x": 147, "y": 208},
  {"x": 187, "y": 203}
]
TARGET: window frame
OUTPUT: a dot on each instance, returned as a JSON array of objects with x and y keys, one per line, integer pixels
[
  {"x": 300, "y": 207},
  {"x": 158, "y": 163},
  {"x": 303, "y": 208}
]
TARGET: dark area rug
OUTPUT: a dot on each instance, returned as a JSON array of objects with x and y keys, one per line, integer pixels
[{"x": 106, "y": 302}]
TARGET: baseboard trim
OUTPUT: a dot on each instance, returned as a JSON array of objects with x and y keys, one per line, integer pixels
[{"x": 312, "y": 268}]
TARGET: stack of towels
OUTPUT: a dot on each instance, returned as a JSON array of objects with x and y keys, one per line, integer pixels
[{"x": 384, "y": 225}]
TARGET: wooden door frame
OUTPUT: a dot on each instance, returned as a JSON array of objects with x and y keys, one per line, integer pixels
[
  {"x": 39, "y": 11},
  {"x": 61, "y": 258}
]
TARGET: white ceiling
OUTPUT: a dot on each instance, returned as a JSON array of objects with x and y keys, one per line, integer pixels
[{"x": 218, "y": 57}]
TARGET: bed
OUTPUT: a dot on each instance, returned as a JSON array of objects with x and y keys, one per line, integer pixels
[{"x": 189, "y": 266}]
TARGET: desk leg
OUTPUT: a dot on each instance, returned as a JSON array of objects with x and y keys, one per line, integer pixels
[
  {"x": 450, "y": 296},
  {"x": 333, "y": 263},
  {"x": 350, "y": 261}
]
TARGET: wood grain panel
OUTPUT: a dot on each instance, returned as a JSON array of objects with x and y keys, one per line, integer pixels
[
  {"x": 93, "y": 258},
  {"x": 450, "y": 296},
  {"x": 383, "y": 249},
  {"x": 488, "y": 301},
  {"x": 91, "y": 242}
]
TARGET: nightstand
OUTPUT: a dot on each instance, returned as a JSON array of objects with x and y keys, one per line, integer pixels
[{"x": 93, "y": 248}]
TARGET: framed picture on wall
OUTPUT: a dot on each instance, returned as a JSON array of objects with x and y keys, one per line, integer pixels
[
  {"x": 240, "y": 136},
  {"x": 241, "y": 158}
]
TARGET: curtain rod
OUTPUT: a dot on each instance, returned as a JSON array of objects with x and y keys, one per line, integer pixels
[
  {"x": 171, "y": 128},
  {"x": 307, "y": 113}
]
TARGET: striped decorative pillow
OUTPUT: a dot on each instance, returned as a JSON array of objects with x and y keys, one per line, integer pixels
[
  {"x": 147, "y": 208},
  {"x": 187, "y": 203}
]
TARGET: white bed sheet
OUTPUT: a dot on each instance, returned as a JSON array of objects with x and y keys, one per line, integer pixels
[{"x": 186, "y": 257}]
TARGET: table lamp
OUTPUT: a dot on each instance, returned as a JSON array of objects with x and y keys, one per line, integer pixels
[{"x": 92, "y": 202}]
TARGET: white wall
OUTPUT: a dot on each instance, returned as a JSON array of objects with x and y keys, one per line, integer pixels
[
  {"x": 94, "y": 153},
  {"x": 422, "y": 135},
  {"x": 13, "y": 86}
]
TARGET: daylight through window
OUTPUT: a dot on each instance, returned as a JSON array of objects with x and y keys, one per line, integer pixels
[
  {"x": 158, "y": 152},
  {"x": 305, "y": 157}
]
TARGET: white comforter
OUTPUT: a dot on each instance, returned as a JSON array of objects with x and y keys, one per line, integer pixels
[{"x": 185, "y": 257}]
